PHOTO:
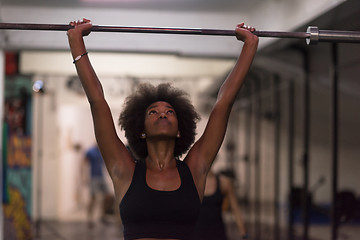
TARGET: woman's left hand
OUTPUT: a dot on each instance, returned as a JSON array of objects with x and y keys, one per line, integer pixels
[{"x": 244, "y": 32}]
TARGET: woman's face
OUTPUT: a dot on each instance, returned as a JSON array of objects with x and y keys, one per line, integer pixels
[{"x": 161, "y": 121}]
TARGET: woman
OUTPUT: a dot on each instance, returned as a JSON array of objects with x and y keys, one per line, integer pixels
[
  {"x": 159, "y": 196},
  {"x": 219, "y": 190}
]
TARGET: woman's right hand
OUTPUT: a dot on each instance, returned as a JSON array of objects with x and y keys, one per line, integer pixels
[{"x": 82, "y": 27}]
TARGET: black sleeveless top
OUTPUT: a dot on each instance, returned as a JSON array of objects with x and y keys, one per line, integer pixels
[
  {"x": 210, "y": 224},
  {"x": 150, "y": 213}
]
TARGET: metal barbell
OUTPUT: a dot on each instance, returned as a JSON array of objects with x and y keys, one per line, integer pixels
[{"x": 312, "y": 36}]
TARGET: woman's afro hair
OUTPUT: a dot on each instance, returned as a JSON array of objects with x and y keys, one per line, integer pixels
[{"x": 132, "y": 118}]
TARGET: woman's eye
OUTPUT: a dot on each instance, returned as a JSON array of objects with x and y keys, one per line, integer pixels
[
  {"x": 170, "y": 112},
  {"x": 152, "y": 112}
]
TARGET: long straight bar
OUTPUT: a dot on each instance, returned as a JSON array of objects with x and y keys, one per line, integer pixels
[
  {"x": 335, "y": 142},
  {"x": 306, "y": 138},
  {"x": 313, "y": 34},
  {"x": 160, "y": 30},
  {"x": 290, "y": 146}
]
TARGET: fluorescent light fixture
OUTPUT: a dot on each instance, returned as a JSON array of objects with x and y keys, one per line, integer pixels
[{"x": 110, "y": 1}]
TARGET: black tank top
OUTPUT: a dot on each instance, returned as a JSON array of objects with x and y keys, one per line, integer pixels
[
  {"x": 210, "y": 224},
  {"x": 150, "y": 213}
]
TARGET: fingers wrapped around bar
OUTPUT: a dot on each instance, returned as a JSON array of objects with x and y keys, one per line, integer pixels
[{"x": 244, "y": 32}]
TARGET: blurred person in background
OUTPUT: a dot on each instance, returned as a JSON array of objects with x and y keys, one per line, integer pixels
[
  {"x": 219, "y": 197},
  {"x": 96, "y": 181}
]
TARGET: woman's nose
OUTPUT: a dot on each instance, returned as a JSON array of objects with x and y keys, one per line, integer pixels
[{"x": 163, "y": 115}]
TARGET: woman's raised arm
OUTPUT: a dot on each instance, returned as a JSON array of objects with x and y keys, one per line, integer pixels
[
  {"x": 115, "y": 154},
  {"x": 205, "y": 149}
]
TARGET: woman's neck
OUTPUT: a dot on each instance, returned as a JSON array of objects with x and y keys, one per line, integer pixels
[{"x": 160, "y": 155}]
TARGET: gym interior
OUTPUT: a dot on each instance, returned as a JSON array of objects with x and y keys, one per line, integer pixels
[{"x": 292, "y": 143}]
